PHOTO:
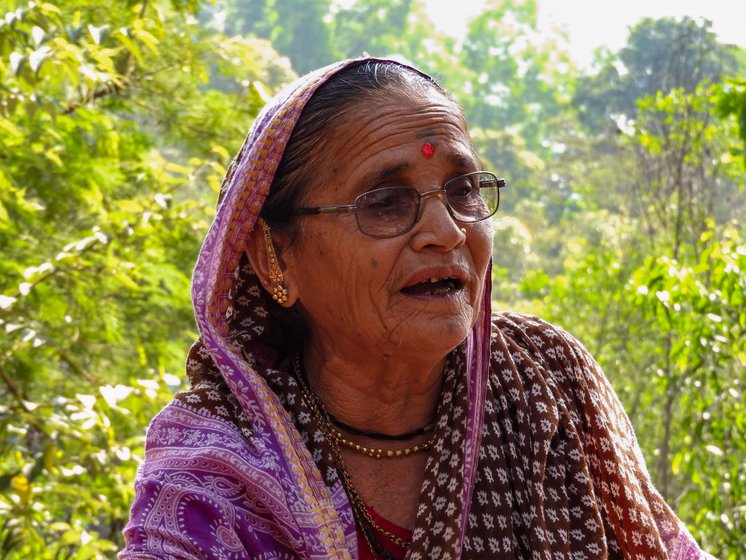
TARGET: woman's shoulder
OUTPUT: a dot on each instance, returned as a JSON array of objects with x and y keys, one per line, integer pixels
[
  {"x": 204, "y": 425},
  {"x": 542, "y": 341},
  {"x": 203, "y": 477},
  {"x": 517, "y": 326}
]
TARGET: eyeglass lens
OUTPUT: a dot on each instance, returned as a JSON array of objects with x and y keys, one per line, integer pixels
[{"x": 393, "y": 210}]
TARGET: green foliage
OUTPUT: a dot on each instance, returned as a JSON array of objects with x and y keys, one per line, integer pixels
[
  {"x": 117, "y": 123},
  {"x": 696, "y": 308},
  {"x": 656, "y": 290},
  {"x": 622, "y": 222},
  {"x": 660, "y": 56},
  {"x": 296, "y": 28},
  {"x": 516, "y": 82},
  {"x": 732, "y": 101},
  {"x": 372, "y": 26},
  {"x": 671, "y": 335}
]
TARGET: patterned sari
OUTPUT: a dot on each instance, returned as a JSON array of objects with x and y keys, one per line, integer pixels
[{"x": 532, "y": 457}]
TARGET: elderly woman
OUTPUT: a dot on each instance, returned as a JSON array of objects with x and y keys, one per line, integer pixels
[{"x": 352, "y": 394}]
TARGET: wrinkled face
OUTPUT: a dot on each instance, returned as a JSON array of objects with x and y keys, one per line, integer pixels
[{"x": 418, "y": 292}]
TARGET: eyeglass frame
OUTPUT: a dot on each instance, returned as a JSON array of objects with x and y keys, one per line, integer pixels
[{"x": 439, "y": 192}]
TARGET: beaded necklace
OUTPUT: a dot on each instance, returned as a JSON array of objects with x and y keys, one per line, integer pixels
[
  {"x": 334, "y": 438},
  {"x": 379, "y": 453}
]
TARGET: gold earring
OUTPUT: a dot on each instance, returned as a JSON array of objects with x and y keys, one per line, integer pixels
[
  {"x": 463, "y": 230},
  {"x": 279, "y": 293}
]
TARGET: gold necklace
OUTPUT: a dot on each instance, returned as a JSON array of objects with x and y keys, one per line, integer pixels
[
  {"x": 379, "y": 453},
  {"x": 361, "y": 513}
]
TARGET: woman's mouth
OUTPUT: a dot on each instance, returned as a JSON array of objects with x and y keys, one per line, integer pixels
[{"x": 434, "y": 287}]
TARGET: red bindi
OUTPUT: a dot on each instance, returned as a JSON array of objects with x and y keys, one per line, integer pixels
[{"x": 428, "y": 150}]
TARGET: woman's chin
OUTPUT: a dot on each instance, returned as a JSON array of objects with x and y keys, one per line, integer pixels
[{"x": 431, "y": 334}]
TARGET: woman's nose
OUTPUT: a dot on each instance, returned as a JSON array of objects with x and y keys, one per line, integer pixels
[
  {"x": 424, "y": 196},
  {"x": 435, "y": 226}
]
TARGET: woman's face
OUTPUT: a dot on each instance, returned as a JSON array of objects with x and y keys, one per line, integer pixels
[{"x": 366, "y": 294}]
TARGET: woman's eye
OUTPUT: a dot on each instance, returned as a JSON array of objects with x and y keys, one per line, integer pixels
[
  {"x": 382, "y": 198},
  {"x": 460, "y": 188},
  {"x": 381, "y": 202}
]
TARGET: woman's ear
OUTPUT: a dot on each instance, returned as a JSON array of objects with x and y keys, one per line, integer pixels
[{"x": 265, "y": 257}]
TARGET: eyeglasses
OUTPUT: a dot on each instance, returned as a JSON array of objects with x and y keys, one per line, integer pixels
[{"x": 392, "y": 211}]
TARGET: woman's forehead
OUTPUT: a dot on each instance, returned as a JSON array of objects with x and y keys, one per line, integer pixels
[{"x": 393, "y": 122}]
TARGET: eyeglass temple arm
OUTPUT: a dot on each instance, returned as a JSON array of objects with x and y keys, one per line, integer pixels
[{"x": 335, "y": 208}]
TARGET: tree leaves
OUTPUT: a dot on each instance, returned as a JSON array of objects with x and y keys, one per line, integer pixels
[
  {"x": 115, "y": 132},
  {"x": 117, "y": 123}
]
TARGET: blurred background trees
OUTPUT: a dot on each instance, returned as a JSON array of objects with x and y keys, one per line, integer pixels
[{"x": 623, "y": 223}]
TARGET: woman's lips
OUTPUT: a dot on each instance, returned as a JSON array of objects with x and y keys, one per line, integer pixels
[
  {"x": 434, "y": 287},
  {"x": 435, "y": 281}
]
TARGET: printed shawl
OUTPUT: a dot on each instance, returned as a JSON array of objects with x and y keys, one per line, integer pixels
[{"x": 533, "y": 455}]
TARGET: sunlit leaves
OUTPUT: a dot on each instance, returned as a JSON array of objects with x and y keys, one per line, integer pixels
[
  {"x": 115, "y": 131},
  {"x": 655, "y": 287},
  {"x": 731, "y": 100},
  {"x": 117, "y": 122}
]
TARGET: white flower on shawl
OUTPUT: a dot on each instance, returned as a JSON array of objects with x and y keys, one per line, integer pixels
[
  {"x": 192, "y": 438},
  {"x": 260, "y": 312},
  {"x": 304, "y": 418},
  {"x": 198, "y": 277},
  {"x": 193, "y": 366},
  {"x": 489, "y": 407},
  {"x": 258, "y": 419},
  {"x": 243, "y": 301},
  {"x": 253, "y": 291},
  {"x": 192, "y": 398},
  {"x": 502, "y": 475},
  {"x": 450, "y": 510},
  {"x": 203, "y": 352},
  {"x": 331, "y": 474},
  {"x": 170, "y": 435}
]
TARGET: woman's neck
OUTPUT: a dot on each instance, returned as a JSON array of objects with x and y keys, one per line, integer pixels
[{"x": 385, "y": 395}]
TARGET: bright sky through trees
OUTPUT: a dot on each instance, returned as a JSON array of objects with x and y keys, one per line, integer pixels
[{"x": 591, "y": 24}]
